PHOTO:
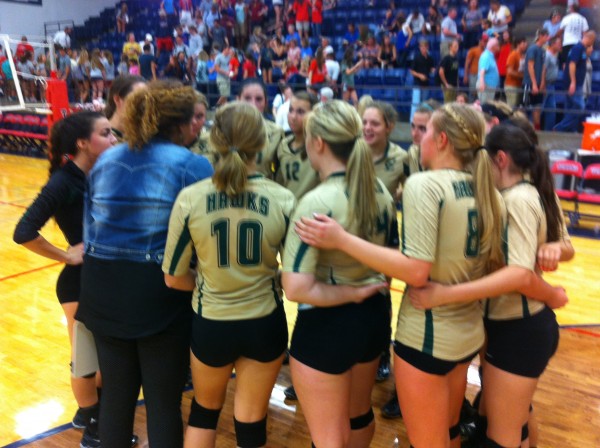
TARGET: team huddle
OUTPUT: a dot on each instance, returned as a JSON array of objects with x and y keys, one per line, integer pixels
[{"x": 310, "y": 217}]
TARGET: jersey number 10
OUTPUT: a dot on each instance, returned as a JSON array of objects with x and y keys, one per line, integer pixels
[{"x": 249, "y": 238}]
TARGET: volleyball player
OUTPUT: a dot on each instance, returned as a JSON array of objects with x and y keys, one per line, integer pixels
[
  {"x": 75, "y": 143},
  {"x": 236, "y": 222},
  {"x": 295, "y": 171},
  {"x": 522, "y": 332},
  {"x": 253, "y": 91},
  {"x": 342, "y": 319},
  {"x": 448, "y": 231}
]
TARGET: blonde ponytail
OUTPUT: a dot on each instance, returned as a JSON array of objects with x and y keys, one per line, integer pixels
[{"x": 238, "y": 134}]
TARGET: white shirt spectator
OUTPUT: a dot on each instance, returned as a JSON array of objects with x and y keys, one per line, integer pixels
[
  {"x": 147, "y": 41},
  {"x": 499, "y": 16},
  {"x": 63, "y": 39},
  {"x": 573, "y": 26},
  {"x": 333, "y": 69},
  {"x": 281, "y": 119},
  {"x": 450, "y": 25}
]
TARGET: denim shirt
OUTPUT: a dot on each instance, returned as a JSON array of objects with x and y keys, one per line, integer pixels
[{"x": 129, "y": 197}]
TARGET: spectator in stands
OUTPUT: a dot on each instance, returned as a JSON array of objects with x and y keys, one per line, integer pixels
[
  {"x": 228, "y": 19},
  {"x": 348, "y": 69},
  {"x": 488, "y": 77},
  {"x": 471, "y": 71},
  {"x": 325, "y": 94},
  {"x": 387, "y": 26},
  {"x": 279, "y": 56},
  {"x": 212, "y": 16},
  {"x": 553, "y": 23},
  {"x": 63, "y": 38},
  {"x": 301, "y": 10},
  {"x": 291, "y": 34},
  {"x": 196, "y": 45},
  {"x": 577, "y": 67},
  {"x": 202, "y": 72},
  {"x": 123, "y": 67},
  {"x": 181, "y": 47},
  {"x": 317, "y": 72},
  {"x": 587, "y": 83},
  {"x": 534, "y": 81},
  {"x": 148, "y": 64},
  {"x": 9, "y": 82},
  {"x": 249, "y": 67},
  {"x": 333, "y": 67},
  {"x": 417, "y": 24},
  {"x": 552, "y": 68},
  {"x": 205, "y": 6},
  {"x": 294, "y": 53},
  {"x": 24, "y": 47},
  {"x": 169, "y": 7},
  {"x": 241, "y": 23},
  {"x": 433, "y": 21},
  {"x": 305, "y": 50},
  {"x": 423, "y": 66},
  {"x": 64, "y": 71},
  {"x": 122, "y": 18},
  {"x": 387, "y": 52},
  {"x": 173, "y": 69},
  {"x": 164, "y": 38},
  {"x": 218, "y": 35},
  {"x": 186, "y": 12},
  {"x": 131, "y": 48},
  {"x": 449, "y": 31},
  {"x": 369, "y": 52},
  {"x": 281, "y": 113},
  {"x": 316, "y": 17},
  {"x": 82, "y": 75},
  {"x": 223, "y": 80},
  {"x": 448, "y": 72},
  {"x": 486, "y": 27},
  {"x": 572, "y": 27},
  {"x": 500, "y": 17},
  {"x": 403, "y": 40},
  {"x": 25, "y": 66},
  {"x": 97, "y": 74},
  {"x": 506, "y": 48},
  {"x": 147, "y": 40},
  {"x": 515, "y": 70},
  {"x": 258, "y": 13},
  {"x": 109, "y": 68},
  {"x": 351, "y": 36},
  {"x": 471, "y": 22},
  {"x": 278, "y": 7},
  {"x": 265, "y": 62}
]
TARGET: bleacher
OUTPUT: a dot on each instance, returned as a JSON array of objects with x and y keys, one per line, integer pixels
[{"x": 387, "y": 84}]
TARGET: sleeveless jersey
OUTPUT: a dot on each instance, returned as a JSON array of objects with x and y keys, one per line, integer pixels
[{"x": 236, "y": 240}]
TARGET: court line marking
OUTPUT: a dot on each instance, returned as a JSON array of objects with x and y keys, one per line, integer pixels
[{"x": 19, "y": 274}]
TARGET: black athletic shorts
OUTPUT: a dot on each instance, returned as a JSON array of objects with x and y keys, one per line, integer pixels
[
  {"x": 68, "y": 285},
  {"x": 428, "y": 363},
  {"x": 522, "y": 346},
  {"x": 218, "y": 343},
  {"x": 333, "y": 340}
]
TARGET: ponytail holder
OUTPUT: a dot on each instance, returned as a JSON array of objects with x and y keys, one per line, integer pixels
[
  {"x": 66, "y": 158},
  {"x": 479, "y": 149},
  {"x": 233, "y": 149}
]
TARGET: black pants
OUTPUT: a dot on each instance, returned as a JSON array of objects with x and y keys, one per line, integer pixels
[{"x": 159, "y": 363}]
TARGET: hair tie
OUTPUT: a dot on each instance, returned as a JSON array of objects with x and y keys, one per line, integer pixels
[
  {"x": 479, "y": 149},
  {"x": 65, "y": 159},
  {"x": 233, "y": 149}
]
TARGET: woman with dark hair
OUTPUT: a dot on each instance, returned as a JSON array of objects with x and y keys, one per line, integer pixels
[
  {"x": 120, "y": 88},
  {"x": 522, "y": 332},
  {"x": 141, "y": 327},
  {"x": 348, "y": 70},
  {"x": 75, "y": 143}
]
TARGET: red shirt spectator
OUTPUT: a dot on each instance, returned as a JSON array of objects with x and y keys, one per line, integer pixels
[
  {"x": 22, "y": 48},
  {"x": 317, "y": 11},
  {"x": 318, "y": 75},
  {"x": 249, "y": 68},
  {"x": 234, "y": 66},
  {"x": 502, "y": 58},
  {"x": 300, "y": 8}
]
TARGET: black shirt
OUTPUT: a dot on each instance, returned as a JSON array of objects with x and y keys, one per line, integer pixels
[
  {"x": 61, "y": 198},
  {"x": 422, "y": 64},
  {"x": 146, "y": 61},
  {"x": 450, "y": 66}
]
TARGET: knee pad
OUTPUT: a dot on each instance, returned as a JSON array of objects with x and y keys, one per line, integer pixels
[
  {"x": 525, "y": 432},
  {"x": 362, "y": 421},
  {"x": 200, "y": 417},
  {"x": 489, "y": 443},
  {"x": 454, "y": 431},
  {"x": 251, "y": 435}
]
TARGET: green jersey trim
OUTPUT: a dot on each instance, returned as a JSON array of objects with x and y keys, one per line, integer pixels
[{"x": 182, "y": 242}]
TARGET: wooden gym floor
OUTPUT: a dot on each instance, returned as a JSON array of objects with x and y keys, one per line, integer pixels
[{"x": 36, "y": 404}]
